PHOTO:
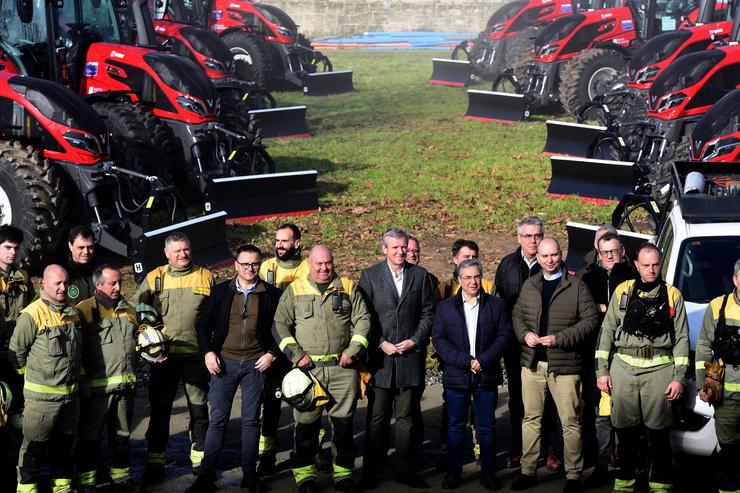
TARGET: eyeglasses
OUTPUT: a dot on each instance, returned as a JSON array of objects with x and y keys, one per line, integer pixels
[
  {"x": 610, "y": 253},
  {"x": 537, "y": 236},
  {"x": 470, "y": 278},
  {"x": 248, "y": 265}
]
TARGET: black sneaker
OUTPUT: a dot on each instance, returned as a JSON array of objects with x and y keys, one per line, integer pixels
[
  {"x": 523, "y": 482},
  {"x": 308, "y": 487},
  {"x": 205, "y": 483},
  {"x": 154, "y": 474},
  {"x": 251, "y": 482}
]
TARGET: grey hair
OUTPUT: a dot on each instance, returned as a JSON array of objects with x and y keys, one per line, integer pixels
[
  {"x": 468, "y": 262},
  {"x": 736, "y": 269},
  {"x": 414, "y": 238},
  {"x": 530, "y": 221},
  {"x": 98, "y": 277},
  {"x": 608, "y": 228},
  {"x": 393, "y": 233},
  {"x": 176, "y": 236}
]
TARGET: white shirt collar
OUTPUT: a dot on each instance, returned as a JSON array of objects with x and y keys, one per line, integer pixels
[
  {"x": 529, "y": 262},
  {"x": 552, "y": 277}
]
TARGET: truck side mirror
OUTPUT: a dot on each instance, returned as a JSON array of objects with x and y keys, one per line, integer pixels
[{"x": 25, "y": 10}]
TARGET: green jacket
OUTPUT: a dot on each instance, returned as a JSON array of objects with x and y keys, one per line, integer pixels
[
  {"x": 178, "y": 296},
  {"x": 706, "y": 339},
  {"x": 16, "y": 292},
  {"x": 46, "y": 347},
  {"x": 109, "y": 344},
  {"x": 612, "y": 337},
  {"x": 306, "y": 323}
]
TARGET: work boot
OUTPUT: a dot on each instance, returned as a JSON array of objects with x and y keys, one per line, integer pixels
[
  {"x": 347, "y": 485},
  {"x": 523, "y": 482},
  {"x": 599, "y": 477},
  {"x": 251, "y": 482},
  {"x": 127, "y": 485},
  {"x": 308, "y": 487},
  {"x": 572, "y": 486},
  {"x": 489, "y": 481},
  {"x": 154, "y": 474},
  {"x": 451, "y": 481},
  {"x": 266, "y": 466},
  {"x": 205, "y": 483}
]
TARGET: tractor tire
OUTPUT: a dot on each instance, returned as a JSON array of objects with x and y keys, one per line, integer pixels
[
  {"x": 681, "y": 151},
  {"x": 169, "y": 151},
  {"x": 30, "y": 200},
  {"x": 252, "y": 57},
  {"x": 588, "y": 74},
  {"x": 519, "y": 54}
]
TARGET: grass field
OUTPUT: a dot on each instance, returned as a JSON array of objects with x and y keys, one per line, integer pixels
[{"x": 397, "y": 152}]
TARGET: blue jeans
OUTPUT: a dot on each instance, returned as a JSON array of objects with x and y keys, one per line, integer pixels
[
  {"x": 221, "y": 396},
  {"x": 457, "y": 414}
]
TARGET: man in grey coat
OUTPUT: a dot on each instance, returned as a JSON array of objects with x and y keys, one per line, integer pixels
[{"x": 400, "y": 297}]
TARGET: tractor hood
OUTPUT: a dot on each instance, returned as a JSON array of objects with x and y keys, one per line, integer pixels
[
  {"x": 680, "y": 75},
  {"x": 208, "y": 44},
  {"x": 185, "y": 76},
  {"x": 713, "y": 136},
  {"x": 557, "y": 30},
  {"x": 279, "y": 18},
  {"x": 655, "y": 50}
]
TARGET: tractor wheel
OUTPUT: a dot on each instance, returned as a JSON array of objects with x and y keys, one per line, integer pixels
[
  {"x": 29, "y": 200},
  {"x": 681, "y": 151},
  {"x": 172, "y": 165},
  {"x": 590, "y": 73},
  {"x": 519, "y": 54},
  {"x": 251, "y": 56},
  {"x": 256, "y": 162}
]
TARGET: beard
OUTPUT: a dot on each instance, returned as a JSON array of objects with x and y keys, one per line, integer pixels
[{"x": 289, "y": 254}]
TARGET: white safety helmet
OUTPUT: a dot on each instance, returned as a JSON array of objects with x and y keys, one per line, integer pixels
[
  {"x": 301, "y": 390},
  {"x": 152, "y": 344},
  {"x": 6, "y": 399}
]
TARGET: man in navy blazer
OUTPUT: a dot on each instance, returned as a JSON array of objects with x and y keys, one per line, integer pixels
[{"x": 470, "y": 333}]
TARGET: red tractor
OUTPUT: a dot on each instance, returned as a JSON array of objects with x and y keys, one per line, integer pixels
[
  {"x": 716, "y": 137},
  {"x": 265, "y": 43},
  {"x": 583, "y": 55},
  {"x": 80, "y": 44},
  {"x": 506, "y": 41},
  {"x": 55, "y": 173}
]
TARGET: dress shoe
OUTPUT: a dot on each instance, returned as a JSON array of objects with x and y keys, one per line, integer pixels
[
  {"x": 413, "y": 482},
  {"x": 490, "y": 481},
  {"x": 523, "y": 482},
  {"x": 451, "y": 481},
  {"x": 346, "y": 485},
  {"x": 205, "y": 483},
  {"x": 308, "y": 487},
  {"x": 573, "y": 486},
  {"x": 553, "y": 463},
  {"x": 599, "y": 477},
  {"x": 514, "y": 461}
]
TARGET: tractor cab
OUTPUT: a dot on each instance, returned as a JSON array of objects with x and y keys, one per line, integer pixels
[{"x": 717, "y": 135}]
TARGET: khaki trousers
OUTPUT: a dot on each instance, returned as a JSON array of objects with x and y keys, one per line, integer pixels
[{"x": 566, "y": 392}]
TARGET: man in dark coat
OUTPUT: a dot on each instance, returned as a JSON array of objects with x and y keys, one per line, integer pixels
[
  {"x": 470, "y": 332},
  {"x": 80, "y": 264},
  {"x": 553, "y": 317},
  {"x": 400, "y": 298}
]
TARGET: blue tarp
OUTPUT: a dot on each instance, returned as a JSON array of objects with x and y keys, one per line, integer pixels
[{"x": 405, "y": 40}]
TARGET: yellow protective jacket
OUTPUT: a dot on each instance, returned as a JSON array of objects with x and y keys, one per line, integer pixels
[
  {"x": 109, "y": 345},
  {"x": 307, "y": 323},
  {"x": 46, "y": 347},
  {"x": 280, "y": 273},
  {"x": 16, "y": 292},
  {"x": 451, "y": 287},
  {"x": 178, "y": 295},
  {"x": 675, "y": 342},
  {"x": 706, "y": 339}
]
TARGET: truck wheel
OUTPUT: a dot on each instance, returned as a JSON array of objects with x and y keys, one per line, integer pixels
[
  {"x": 251, "y": 57},
  {"x": 588, "y": 74},
  {"x": 30, "y": 201}
]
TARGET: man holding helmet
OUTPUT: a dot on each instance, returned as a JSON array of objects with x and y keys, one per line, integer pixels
[
  {"x": 109, "y": 331},
  {"x": 322, "y": 325}
]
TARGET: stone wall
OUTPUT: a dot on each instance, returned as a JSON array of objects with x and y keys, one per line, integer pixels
[{"x": 328, "y": 18}]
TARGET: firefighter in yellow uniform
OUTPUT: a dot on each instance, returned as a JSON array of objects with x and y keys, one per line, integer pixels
[
  {"x": 719, "y": 338},
  {"x": 177, "y": 291},
  {"x": 322, "y": 325},
  {"x": 46, "y": 348},
  {"x": 641, "y": 360},
  {"x": 285, "y": 267},
  {"x": 109, "y": 383}
]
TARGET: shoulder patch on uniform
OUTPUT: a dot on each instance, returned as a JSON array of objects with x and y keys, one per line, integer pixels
[{"x": 73, "y": 292}]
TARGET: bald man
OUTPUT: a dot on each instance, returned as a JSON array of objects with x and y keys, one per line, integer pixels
[
  {"x": 553, "y": 316},
  {"x": 46, "y": 347},
  {"x": 322, "y": 326}
]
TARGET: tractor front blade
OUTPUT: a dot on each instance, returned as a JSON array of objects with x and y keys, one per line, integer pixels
[
  {"x": 254, "y": 197},
  {"x": 289, "y": 121},
  {"x": 325, "y": 83},
  {"x": 208, "y": 244},
  {"x": 581, "y": 244},
  {"x": 490, "y": 106},
  {"x": 455, "y": 73},
  {"x": 595, "y": 180},
  {"x": 571, "y": 139}
]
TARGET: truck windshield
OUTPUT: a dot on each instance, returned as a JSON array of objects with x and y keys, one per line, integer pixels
[{"x": 704, "y": 269}]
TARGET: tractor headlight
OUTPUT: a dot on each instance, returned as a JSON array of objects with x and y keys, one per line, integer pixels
[
  {"x": 647, "y": 73},
  {"x": 549, "y": 49},
  {"x": 497, "y": 28},
  {"x": 84, "y": 141},
  {"x": 719, "y": 147},
  {"x": 284, "y": 32},
  {"x": 669, "y": 101},
  {"x": 215, "y": 65},
  {"x": 190, "y": 104}
]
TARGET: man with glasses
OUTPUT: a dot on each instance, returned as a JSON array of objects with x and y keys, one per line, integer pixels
[
  {"x": 514, "y": 269},
  {"x": 602, "y": 277},
  {"x": 235, "y": 337}
]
